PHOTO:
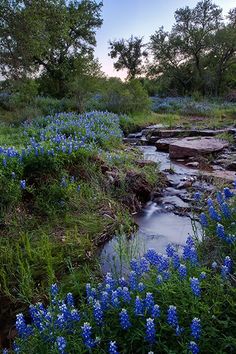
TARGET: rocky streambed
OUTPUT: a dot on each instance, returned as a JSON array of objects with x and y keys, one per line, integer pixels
[{"x": 190, "y": 160}]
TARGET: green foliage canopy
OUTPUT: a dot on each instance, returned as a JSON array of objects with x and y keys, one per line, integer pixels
[
  {"x": 49, "y": 37},
  {"x": 129, "y": 54}
]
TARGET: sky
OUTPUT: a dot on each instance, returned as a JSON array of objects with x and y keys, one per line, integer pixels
[{"x": 122, "y": 18}]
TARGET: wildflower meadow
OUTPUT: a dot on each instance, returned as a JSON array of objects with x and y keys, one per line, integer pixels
[{"x": 177, "y": 302}]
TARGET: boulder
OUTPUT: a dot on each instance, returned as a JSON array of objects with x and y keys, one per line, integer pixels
[
  {"x": 192, "y": 164},
  {"x": 196, "y": 146},
  {"x": 163, "y": 144},
  {"x": 231, "y": 166}
]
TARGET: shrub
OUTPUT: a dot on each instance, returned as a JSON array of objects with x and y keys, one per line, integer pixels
[{"x": 119, "y": 97}]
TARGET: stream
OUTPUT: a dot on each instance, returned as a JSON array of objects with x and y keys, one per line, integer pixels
[{"x": 164, "y": 219}]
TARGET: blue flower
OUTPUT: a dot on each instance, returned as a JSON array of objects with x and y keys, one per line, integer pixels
[
  {"x": 166, "y": 275},
  {"x": 16, "y": 348},
  {"x": 144, "y": 265},
  {"x": 190, "y": 242},
  {"x": 133, "y": 280},
  {"x": 141, "y": 287},
  {"x": 220, "y": 231},
  {"x": 124, "y": 319},
  {"x": 104, "y": 300},
  {"x": 227, "y": 192},
  {"x": 196, "y": 328},
  {"x": 113, "y": 348},
  {"x": 197, "y": 196},
  {"x": 149, "y": 301},
  {"x": 115, "y": 298},
  {"x": 54, "y": 290},
  {"x": 195, "y": 286},
  {"x": 172, "y": 317},
  {"x": 150, "y": 331},
  {"x": 75, "y": 315},
  {"x": 159, "y": 279},
  {"x": 22, "y": 328},
  {"x": 156, "y": 311},
  {"x": 190, "y": 253},
  {"x": 135, "y": 266},
  {"x": 224, "y": 271},
  {"x": 122, "y": 282},
  {"x": 210, "y": 202},
  {"x": 220, "y": 198},
  {"x": 170, "y": 250},
  {"x": 152, "y": 256},
  {"x": 228, "y": 262},
  {"x": 202, "y": 275},
  {"x": 213, "y": 214},
  {"x": 87, "y": 335},
  {"x": 70, "y": 299},
  {"x": 138, "y": 306},
  {"x": 203, "y": 220},
  {"x": 23, "y": 184},
  {"x": 126, "y": 295},
  {"x": 61, "y": 344},
  {"x": 110, "y": 281},
  {"x": 176, "y": 260},
  {"x": 98, "y": 313},
  {"x": 226, "y": 210},
  {"x": 193, "y": 347},
  {"x": 182, "y": 271}
]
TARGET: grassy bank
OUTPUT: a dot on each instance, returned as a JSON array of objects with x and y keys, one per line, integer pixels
[{"x": 67, "y": 186}]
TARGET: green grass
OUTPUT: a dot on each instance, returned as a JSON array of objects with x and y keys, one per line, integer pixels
[{"x": 138, "y": 121}]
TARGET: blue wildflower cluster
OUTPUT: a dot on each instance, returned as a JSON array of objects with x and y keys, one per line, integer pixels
[
  {"x": 127, "y": 305},
  {"x": 186, "y": 106},
  {"x": 221, "y": 215},
  {"x": 60, "y": 135}
]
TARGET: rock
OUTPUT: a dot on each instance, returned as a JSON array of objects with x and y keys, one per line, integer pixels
[
  {"x": 195, "y": 146},
  {"x": 231, "y": 166},
  {"x": 152, "y": 139},
  {"x": 163, "y": 144},
  {"x": 143, "y": 163},
  {"x": 228, "y": 176},
  {"x": 175, "y": 201},
  {"x": 203, "y": 186},
  {"x": 217, "y": 168},
  {"x": 192, "y": 164},
  {"x": 135, "y": 135},
  {"x": 131, "y": 140},
  {"x": 185, "y": 184},
  {"x": 152, "y": 128}
]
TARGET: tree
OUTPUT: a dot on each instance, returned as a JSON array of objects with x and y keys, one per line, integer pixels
[
  {"x": 168, "y": 59},
  {"x": 198, "y": 50},
  {"x": 222, "y": 56},
  {"x": 129, "y": 54},
  {"x": 83, "y": 86},
  {"x": 47, "y": 36}
]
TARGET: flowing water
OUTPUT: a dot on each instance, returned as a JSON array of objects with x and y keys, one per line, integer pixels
[{"x": 158, "y": 225}]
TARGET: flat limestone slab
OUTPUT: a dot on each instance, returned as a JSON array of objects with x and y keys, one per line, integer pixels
[
  {"x": 195, "y": 146},
  {"x": 163, "y": 144}
]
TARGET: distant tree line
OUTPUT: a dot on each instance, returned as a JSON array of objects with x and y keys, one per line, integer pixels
[
  {"x": 197, "y": 55},
  {"x": 47, "y": 49}
]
